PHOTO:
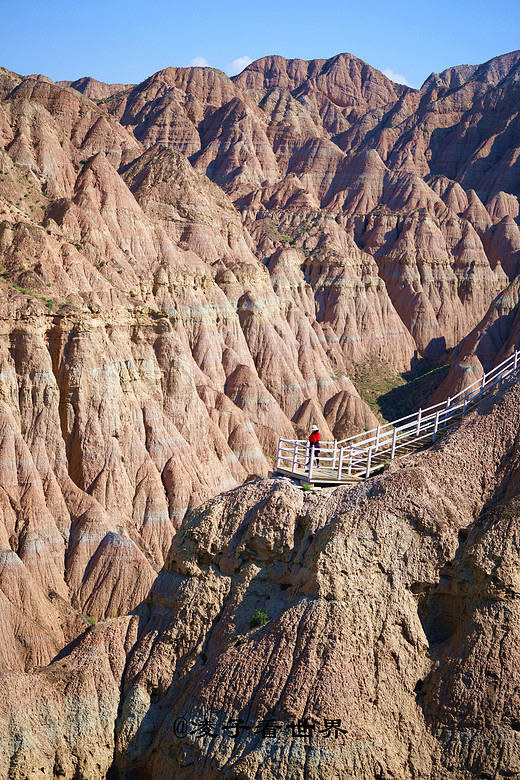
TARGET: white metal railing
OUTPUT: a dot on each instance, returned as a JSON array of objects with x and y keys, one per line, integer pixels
[{"x": 360, "y": 454}]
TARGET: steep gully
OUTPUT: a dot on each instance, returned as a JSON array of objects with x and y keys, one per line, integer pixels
[
  {"x": 158, "y": 334},
  {"x": 373, "y": 593}
]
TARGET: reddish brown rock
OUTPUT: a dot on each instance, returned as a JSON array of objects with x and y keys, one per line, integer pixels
[
  {"x": 503, "y": 245},
  {"x": 346, "y": 415},
  {"x": 288, "y": 152},
  {"x": 492, "y": 72},
  {"x": 343, "y": 83},
  {"x": 377, "y": 591},
  {"x": 159, "y": 332},
  {"x": 148, "y": 362},
  {"x": 96, "y": 90},
  {"x": 495, "y": 337}
]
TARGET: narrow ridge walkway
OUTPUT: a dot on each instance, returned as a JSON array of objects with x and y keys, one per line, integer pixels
[{"x": 360, "y": 456}]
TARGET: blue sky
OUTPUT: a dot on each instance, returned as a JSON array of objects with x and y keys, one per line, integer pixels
[{"x": 125, "y": 42}]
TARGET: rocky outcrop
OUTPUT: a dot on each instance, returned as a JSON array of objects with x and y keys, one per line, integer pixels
[
  {"x": 363, "y": 590},
  {"x": 190, "y": 268},
  {"x": 148, "y": 361},
  {"x": 495, "y": 71},
  {"x": 495, "y": 337},
  {"x": 93, "y": 89},
  {"x": 383, "y": 609},
  {"x": 293, "y": 138}
]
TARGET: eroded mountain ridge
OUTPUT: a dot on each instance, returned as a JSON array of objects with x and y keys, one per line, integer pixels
[{"x": 194, "y": 266}]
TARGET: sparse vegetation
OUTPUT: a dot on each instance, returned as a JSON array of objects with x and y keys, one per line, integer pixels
[
  {"x": 374, "y": 379},
  {"x": 20, "y": 288},
  {"x": 407, "y": 398},
  {"x": 90, "y": 619},
  {"x": 47, "y": 301},
  {"x": 260, "y": 618},
  {"x": 391, "y": 395}
]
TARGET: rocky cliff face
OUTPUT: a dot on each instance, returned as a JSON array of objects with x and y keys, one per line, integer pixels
[
  {"x": 148, "y": 360},
  {"x": 190, "y": 268},
  {"x": 302, "y": 147},
  {"x": 389, "y": 649}
]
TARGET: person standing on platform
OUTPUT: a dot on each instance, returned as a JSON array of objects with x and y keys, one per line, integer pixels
[{"x": 314, "y": 440}]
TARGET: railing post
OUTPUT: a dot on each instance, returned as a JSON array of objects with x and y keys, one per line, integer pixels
[
  {"x": 350, "y": 460},
  {"x": 369, "y": 461},
  {"x": 340, "y": 466},
  {"x": 448, "y": 402},
  {"x": 335, "y": 454},
  {"x": 436, "y": 426},
  {"x": 378, "y": 431},
  {"x": 483, "y": 383},
  {"x": 515, "y": 364},
  {"x": 394, "y": 440},
  {"x": 278, "y": 454},
  {"x": 464, "y": 407},
  {"x": 419, "y": 415},
  {"x": 311, "y": 463},
  {"x": 294, "y": 457}
]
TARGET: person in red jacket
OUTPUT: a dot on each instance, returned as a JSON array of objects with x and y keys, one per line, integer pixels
[{"x": 314, "y": 440}]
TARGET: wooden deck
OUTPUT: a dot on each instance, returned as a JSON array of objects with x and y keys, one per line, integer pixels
[
  {"x": 320, "y": 476},
  {"x": 352, "y": 460},
  {"x": 323, "y": 475}
]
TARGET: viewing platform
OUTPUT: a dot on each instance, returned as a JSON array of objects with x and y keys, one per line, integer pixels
[{"x": 359, "y": 457}]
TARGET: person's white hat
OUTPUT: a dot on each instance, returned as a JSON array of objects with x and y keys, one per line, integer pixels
[{"x": 314, "y": 428}]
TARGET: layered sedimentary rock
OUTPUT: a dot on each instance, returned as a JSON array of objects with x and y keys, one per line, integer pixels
[
  {"x": 190, "y": 268},
  {"x": 389, "y": 648},
  {"x": 337, "y": 138},
  {"x": 365, "y": 591},
  {"x": 96, "y": 90},
  {"x": 494, "y": 338},
  {"x": 147, "y": 361}
]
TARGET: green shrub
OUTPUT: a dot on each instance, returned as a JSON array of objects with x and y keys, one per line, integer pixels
[
  {"x": 90, "y": 619},
  {"x": 20, "y": 288},
  {"x": 260, "y": 618},
  {"x": 305, "y": 486}
]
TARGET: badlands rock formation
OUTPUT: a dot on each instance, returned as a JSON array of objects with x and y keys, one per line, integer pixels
[
  {"x": 189, "y": 268},
  {"x": 304, "y": 147},
  {"x": 148, "y": 358},
  {"x": 390, "y": 649}
]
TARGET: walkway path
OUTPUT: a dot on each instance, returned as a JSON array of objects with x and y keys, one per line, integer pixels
[{"x": 358, "y": 457}]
